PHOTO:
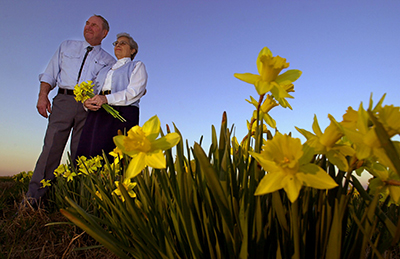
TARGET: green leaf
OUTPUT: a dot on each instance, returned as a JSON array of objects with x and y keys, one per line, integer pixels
[
  {"x": 214, "y": 184},
  {"x": 335, "y": 241},
  {"x": 94, "y": 230}
]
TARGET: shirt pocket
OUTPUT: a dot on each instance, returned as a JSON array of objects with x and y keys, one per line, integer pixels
[
  {"x": 70, "y": 62},
  {"x": 98, "y": 65}
]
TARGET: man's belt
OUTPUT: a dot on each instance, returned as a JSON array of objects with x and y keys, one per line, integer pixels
[
  {"x": 65, "y": 91},
  {"x": 71, "y": 92}
]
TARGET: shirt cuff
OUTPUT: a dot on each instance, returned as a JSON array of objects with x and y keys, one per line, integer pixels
[
  {"x": 110, "y": 98},
  {"x": 47, "y": 79}
]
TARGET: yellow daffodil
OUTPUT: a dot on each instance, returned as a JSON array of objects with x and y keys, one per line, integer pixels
[
  {"x": 60, "y": 170},
  {"x": 268, "y": 104},
  {"x": 355, "y": 193},
  {"x": 45, "y": 183},
  {"x": 234, "y": 145},
  {"x": 128, "y": 185},
  {"x": 89, "y": 166},
  {"x": 117, "y": 154},
  {"x": 386, "y": 183},
  {"x": 287, "y": 165},
  {"x": 269, "y": 79},
  {"x": 98, "y": 194},
  {"x": 23, "y": 176},
  {"x": 350, "y": 119},
  {"x": 69, "y": 175},
  {"x": 265, "y": 108},
  {"x": 142, "y": 145},
  {"x": 327, "y": 143},
  {"x": 359, "y": 129},
  {"x": 389, "y": 116},
  {"x": 187, "y": 165},
  {"x": 252, "y": 126},
  {"x": 363, "y": 136},
  {"x": 243, "y": 146},
  {"x": 83, "y": 91}
]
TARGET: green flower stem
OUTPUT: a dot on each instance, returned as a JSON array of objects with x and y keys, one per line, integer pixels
[
  {"x": 258, "y": 135},
  {"x": 295, "y": 229},
  {"x": 113, "y": 112},
  {"x": 260, "y": 101}
]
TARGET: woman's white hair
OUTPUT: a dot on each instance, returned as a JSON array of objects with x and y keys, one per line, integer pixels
[{"x": 132, "y": 43}]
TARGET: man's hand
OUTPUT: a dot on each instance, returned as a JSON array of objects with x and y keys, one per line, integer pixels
[{"x": 43, "y": 105}]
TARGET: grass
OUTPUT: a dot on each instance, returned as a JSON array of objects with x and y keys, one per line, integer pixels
[{"x": 24, "y": 232}]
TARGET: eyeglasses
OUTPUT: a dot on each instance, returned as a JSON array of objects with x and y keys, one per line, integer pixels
[{"x": 122, "y": 43}]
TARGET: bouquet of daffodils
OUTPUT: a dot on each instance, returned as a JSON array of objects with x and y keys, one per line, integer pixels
[{"x": 84, "y": 91}]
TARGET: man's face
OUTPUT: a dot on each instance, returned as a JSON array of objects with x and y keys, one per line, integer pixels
[{"x": 93, "y": 31}]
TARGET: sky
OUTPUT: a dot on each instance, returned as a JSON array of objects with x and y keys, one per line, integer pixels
[{"x": 346, "y": 50}]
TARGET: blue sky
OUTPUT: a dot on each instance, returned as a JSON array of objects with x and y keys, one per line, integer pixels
[{"x": 345, "y": 49}]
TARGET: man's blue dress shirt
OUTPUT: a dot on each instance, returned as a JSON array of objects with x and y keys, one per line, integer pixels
[{"x": 63, "y": 68}]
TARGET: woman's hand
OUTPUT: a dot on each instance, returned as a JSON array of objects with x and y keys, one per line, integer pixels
[{"x": 95, "y": 103}]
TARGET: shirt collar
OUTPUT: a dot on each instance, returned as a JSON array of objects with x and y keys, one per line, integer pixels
[
  {"x": 95, "y": 48},
  {"x": 120, "y": 62},
  {"x": 124, "y": 60}
]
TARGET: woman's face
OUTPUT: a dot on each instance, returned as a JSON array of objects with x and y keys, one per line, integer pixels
[{"x": 122, "y": 48}]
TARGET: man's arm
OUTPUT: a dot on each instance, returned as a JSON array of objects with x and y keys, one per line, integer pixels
[{"x": 43, "y": 105}]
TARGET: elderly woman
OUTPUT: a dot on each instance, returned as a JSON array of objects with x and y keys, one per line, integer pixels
[{"x": 121, "y": 86}]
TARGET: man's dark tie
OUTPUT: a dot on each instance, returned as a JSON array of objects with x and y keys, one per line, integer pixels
[{"x": 88, "y": 49}]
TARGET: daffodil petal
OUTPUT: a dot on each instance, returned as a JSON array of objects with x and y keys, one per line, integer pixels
[
  {"x": 383, "y": 158},
  {"x": 268, "y": 165},
  {"x": 156, "y": 159},
  {"x": 395, "y": 193},
  {"x": 375, "y": 185},
  {"x": 284, "y": 103},
  {"x": 314, "y": 176},
  {"x": 269, "y": 120},
  {"x": 247, "y": 77},
  {"x": 315, "y": 127},
  {"x": 278, "y": 91},
  {"x": 288, "y": 77},
  {"x": 166, "y": 142},
  {"x": 253, "y": 101},
  {"x": 380, "y": 171},
  {"x": 338, "y": 159},
  {"x": 265, "y": 52},
  {"x": 269, "y": 183},
  {"x": 362, "y": 122},
  {"x": 308, "y": 152},
  {"x": 345, "y": 150},
  {"x": 151, "y": 128},
  {"x": 307, "y": 134},
  {"x": 119, "y": 141},
  {"x": 353, "y": 135},
  {"x": 292, "y": 187},
  {"x": 263, "y": 86},
  {"x": 363, "y": 152},
  {"x": 137, "y": 164}
]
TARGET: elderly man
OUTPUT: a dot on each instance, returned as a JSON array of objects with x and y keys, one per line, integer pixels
[{"x": 73, "y": 63}]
